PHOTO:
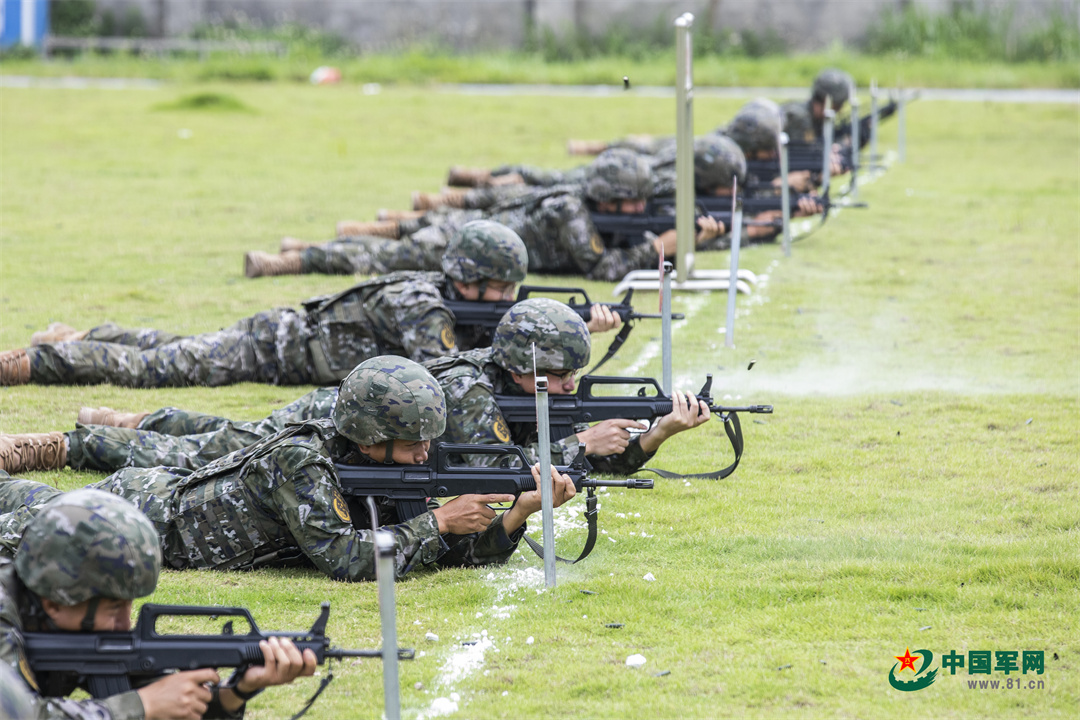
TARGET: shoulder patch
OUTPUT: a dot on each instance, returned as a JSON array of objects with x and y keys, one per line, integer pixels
[
  {"x": 501, "y": 431},
  {"x": 447, "y": 336},
  {"x": 596, "y": 244},
  {"x": 341, "y": 508}
]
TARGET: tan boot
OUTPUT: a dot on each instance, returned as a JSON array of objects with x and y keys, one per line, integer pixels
[
  {"x": 507, "y": 179},
  {"x": 398, "y": 215},
  {"x": 33, "y": 451},
  {"x": 57, "y": 332},
  {"x": 449, "y": 197},
  {"x": 461, "y": 176},
  {"x": 585, "y": 147},
  {"x": 384, "y": 228},
  {"x": 14, "y": 367},
  {"x": 108, "y": 416},
  {"x": 260, "y": 264},
  {"x": 291, "y": 244}
]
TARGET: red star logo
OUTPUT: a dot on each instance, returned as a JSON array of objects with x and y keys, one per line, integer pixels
[{"x": 907, "y": 660}]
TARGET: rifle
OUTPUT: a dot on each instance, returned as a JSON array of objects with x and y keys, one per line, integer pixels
[
  {"x": 718, "y": 206},
  {"x": 843, "y": 129},
  {"x": 111, "y": 661},
  {"x": 488, "y": 314},
  {"x": 410, "y": 486},
  {"x": 584, "y": 406}
]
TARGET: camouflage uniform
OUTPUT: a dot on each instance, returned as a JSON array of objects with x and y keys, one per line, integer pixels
[
  {"x": 400, "y": 313},
  {"x": 799, "y": 122},
  {"x": 279, "y": 501},
  {"x": 68, "y": 557}
]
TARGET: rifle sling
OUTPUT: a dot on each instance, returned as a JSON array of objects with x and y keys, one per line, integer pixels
[
  {"x": 322, "y": 686},
  {"x": 590, "y": 517},
  {"x": 617, "y": 343},
  {"x": 734, "y": 433}
]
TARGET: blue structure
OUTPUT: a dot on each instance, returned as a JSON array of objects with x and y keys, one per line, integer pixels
[{"x": 23, "y": 22}]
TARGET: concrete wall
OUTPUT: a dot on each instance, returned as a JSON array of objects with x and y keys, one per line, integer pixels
[{"x": 374, "y": 24}]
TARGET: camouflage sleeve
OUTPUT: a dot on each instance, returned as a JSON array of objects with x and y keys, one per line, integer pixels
[
  {"x": 473, "y": 416},
  {"x": 311, "y": 505},
  {"x": 573, "y": 233},
  {"x": 484, "y": 198},
  {"x": 364, "y": 254},
  {"x": 491, "y": 547},
  {"x": 616, "y": 262},
  {"x": 425, "y": 325}
]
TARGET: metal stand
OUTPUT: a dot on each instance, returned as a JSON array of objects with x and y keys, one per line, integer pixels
[
  {"x": 853, "y": 186},
  {"x": 736, "y": 240},
  {"x": 785, "y": 191},
  {"x": 547, "y": 500},
  {"x": 874, "y": 157},
  {"x": 901, "y": 127},
  {"x": 827, "y": 141},
  {"x": 685, "y": 277},
  {"x": 384, "y": 573},
  {"x": 665, "y": 312}
]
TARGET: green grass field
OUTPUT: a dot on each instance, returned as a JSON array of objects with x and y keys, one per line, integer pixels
[{"x": 915, "y": 488}]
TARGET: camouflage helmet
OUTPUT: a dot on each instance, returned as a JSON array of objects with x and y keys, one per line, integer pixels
[
  {"x": 86, "y": 544},
  {"x": 561, "y": 338},
  {"x": 618, "y": 174},
  {"x": 756, "y": 126},
  {"x": 834, "y": 83},
  {"x": 485, "y": 250},
  {"x": 390, "y": 398},
  {"x": 798, "y": 124},
  {"x": 716, "y": 159}
]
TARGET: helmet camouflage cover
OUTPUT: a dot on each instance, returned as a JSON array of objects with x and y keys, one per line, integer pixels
[
  {"x": 618, "y": 174},
  {"x": 756, "y": 126},
  {"x": 834, "y": 83},
  {"x": 716, "y": 160},
  {"x": 390, "y": 398},
  {"x": 89, "y": 543},
  {"x": 561, "y": 338},
  {"x": 485, "y": 250}
]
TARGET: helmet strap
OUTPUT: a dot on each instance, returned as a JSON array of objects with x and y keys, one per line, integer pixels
[
  {"x": 87, "y": 624},
  {"x": 481, "y": 288},
  {"x": 389, "y": 458}
]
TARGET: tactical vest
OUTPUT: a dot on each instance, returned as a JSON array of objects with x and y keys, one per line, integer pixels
[
  {"x": 217, "y": 521},
  {"x": 342, "y": 332}
]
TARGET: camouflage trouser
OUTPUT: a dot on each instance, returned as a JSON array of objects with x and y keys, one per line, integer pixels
[
  {"x": 179, "y": 438},
  {"x": 365, "y": 254},
  {"x": 270, "y": 347},
  {"x": 538, "y": 177},
  {"x": 20, "y": 501}
]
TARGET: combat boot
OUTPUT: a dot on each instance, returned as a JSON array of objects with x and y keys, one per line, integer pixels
[
  {"x": 397, "y": 215},
  {"x": 260, "y": 264},
  {"x": 585, "y": 147},
  {"x": 33, "y": 451},
  {"x": 384, "y": 228},
  {"x": 14, "y": 367},
  {"x": 110, "y": 417},
  {"x": 57, "y": 332},
  {"x": 291, "y": 244},
  {"x": 449, "y": 197},
  {"x": 461, "y": 176}
]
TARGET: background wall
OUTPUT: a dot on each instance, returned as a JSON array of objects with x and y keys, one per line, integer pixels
[{"x": 373, "y": 24}]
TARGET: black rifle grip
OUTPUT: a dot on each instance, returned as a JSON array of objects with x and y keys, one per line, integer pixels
[{"x": 103, "y": 686}]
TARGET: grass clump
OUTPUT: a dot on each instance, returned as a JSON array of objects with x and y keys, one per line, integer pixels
[{"x": 206, "y": 101}]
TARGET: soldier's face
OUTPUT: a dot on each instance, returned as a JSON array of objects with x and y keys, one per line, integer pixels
[
  {"x": 559, "y": 382},
  {"x": 623, "y": 207},
  {"x": 112, "y": 615},
  {"x": 495, "y": 291},
  {"x": 403, "y": 453}
]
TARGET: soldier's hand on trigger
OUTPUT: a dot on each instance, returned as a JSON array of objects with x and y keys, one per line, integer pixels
[
  {"x": 179, "y": 696},
  {"x": 603, "y": 319},
  {"x": 709, "y": 227},
  {"x": 468, "y": 513},
  {"x": 609, "y": 437}
]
